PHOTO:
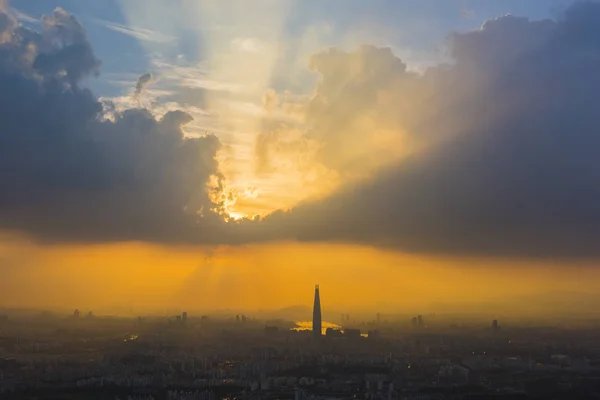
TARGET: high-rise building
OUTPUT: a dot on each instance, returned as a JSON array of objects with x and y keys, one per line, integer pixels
[
  {"x": 76, "y": 314},
  {"x": 184, "y": 317},
  {"x": 316, "y": 323}
]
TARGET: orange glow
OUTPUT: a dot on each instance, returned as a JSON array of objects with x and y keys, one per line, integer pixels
[
  {"x": 307, "y": 326},
  {"x": 136, "y": 278}
]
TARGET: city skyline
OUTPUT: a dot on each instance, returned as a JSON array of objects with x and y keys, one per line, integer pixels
[
  {"x": 299, "y": 199},
  {"x": 433, "y": 357},
  {"x": 204, "y": 155}
]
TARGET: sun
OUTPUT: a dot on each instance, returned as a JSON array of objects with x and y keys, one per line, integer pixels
[{"x": 236, "y": 216}]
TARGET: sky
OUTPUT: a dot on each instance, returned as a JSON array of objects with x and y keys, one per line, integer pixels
[{"x": 230, "y": 155}]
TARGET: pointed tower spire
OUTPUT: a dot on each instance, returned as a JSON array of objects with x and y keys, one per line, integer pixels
[{"x": 317, "y": 313}]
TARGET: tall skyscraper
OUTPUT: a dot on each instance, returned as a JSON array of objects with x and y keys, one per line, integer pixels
[{"x": 317, "y": 313}]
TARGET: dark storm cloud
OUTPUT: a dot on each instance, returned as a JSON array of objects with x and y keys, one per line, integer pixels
[
  {"x": 516, "y": 168},
  {"x": 69, "y": 173}
]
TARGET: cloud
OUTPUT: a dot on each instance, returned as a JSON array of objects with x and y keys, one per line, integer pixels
[
  {"x": 21, "y": 16},
  {"x": 493, "y": 154},
  {"x": 357, "y": 117},
  {"x": 136, "y": 32},
  {"x": 143, "y": 81},
  {"x": 64, "y": 49},
  {"x": 510, "y": 166},
  {"x": 195, "y": 76},
  {"x": 69, "y": 173},
  {"x": 7, "y": 26}
]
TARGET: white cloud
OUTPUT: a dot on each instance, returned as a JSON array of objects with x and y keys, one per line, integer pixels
[
  {"x": 21, "y": 16},
  {"x": 193, "y": 76},
  {"x": 137, "y": 32}
]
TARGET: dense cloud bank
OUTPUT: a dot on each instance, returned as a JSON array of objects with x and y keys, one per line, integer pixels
[
  {"x": 508, "y": 138},
  {"x": 68, "y": 172},
  {"x": 515, "y": 168}
]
